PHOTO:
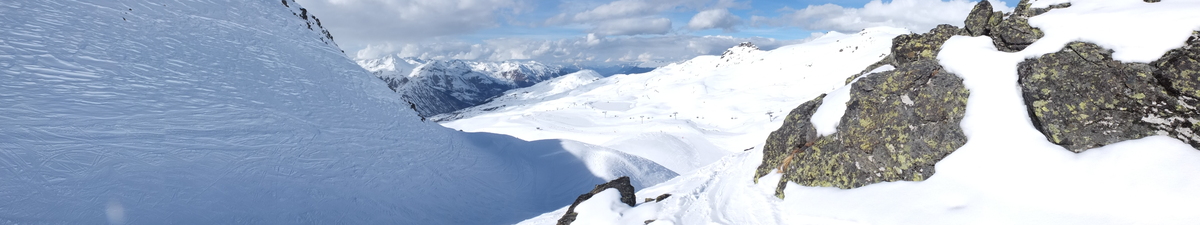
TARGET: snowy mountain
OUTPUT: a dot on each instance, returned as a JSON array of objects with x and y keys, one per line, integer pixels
[
  {"x": 1060, "y": 112},
  {"x": 684, "y": 115},
  {"x": 245, "y": 112},
  {"x": 440, "y": 86}
]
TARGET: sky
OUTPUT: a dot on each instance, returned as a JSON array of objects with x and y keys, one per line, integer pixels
[{"x": 643, "y": 32}]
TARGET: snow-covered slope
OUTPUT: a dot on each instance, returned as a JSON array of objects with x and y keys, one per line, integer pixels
[
  {"x": 684, "y": 115},
  {"x": 235, "y": 112},
  {"x": 441, "y": 86},
  {"x": 1007, "y": 172}
]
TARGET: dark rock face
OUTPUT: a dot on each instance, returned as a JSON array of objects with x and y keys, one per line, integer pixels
[
  {"x": 1081, "y": 98},
  {"x": 1009, "y": 34},
  {"x": 897, "y": 125},
  {"x": 621, "y": 184},
  {"x": 912, "y": 47},
  {"x": 1014, "y": 34},
  {"x": 1179, "y": 69},
  {"x": 977, "y": 22}
]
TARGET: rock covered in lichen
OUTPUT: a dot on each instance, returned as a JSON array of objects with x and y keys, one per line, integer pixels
[
  {"x": 1080, "y": 98},
  {"x": 896, "y": 126},
  {"x": 978, "y": 21},
  {"x": 912, "y": 47},
  {"x": 1009, "y": 33},
  {"x": 1179, "y": 69}
]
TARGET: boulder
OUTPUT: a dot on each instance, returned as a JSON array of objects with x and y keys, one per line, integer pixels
[
  {"x": 1080, "y": 98},
  {"x": 621, "y": 184},
  {"x": 1014, "y": 34},
  {"x": 1009, "y": 33},
  {"x": 979, "y": 20},
  {"x": 912, "y": 47},
  {"x": 896, "y": 126}
]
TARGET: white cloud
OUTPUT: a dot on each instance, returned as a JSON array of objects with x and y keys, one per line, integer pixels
[
  {"x": 617, "y": 9},
  {"x": 621, "y": 17},
  {"x": 582, "y": 50},
  {"x": 361, "y": 22},
  {"x": 714, "y": 18},
  {"x": 916, "y": 15},
  {"x": 633, "y": 26}
]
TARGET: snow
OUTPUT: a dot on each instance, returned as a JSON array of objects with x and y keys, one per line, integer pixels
[
  {"x": 603, "y": 208},
  {"x": 1007, "y": 173},
  {"x": 686, "y": 115},
  {"x": 234, "y": 112},
  {"x": 1135, "y": 30}
]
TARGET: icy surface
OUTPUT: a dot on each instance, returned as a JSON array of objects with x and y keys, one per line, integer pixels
[
  {"x": 686, "y": 115},
  {"x": 1007, "y": 173},
  {"x": 234, "y": 112}
]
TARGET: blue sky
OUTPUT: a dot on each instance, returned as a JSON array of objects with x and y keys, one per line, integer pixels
[{"x": 607, "y": 31}]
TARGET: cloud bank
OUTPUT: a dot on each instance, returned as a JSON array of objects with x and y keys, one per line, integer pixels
[
  {"x": 362, "y": 22},
  {"x": 585, "y": 50},
  {"x": 915, "y": 15},
  {"x": 603, "y": 31},
  {"x": 715, "y": 18}
]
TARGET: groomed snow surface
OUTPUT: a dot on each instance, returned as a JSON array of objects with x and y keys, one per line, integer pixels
[
  {"x": 1007, "y": 173},
  {"x": 234, "y": 112}
]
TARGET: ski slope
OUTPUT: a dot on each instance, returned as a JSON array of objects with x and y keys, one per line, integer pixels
[
  {"x": 242, "y": 112},
  {"x": 1007, "y": 173},
  {"x": 685, "y": 115}
]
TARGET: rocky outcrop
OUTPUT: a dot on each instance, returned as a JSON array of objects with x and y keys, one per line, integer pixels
[
  {"x": 621, "y": 184},
  {"x": 1081, "y": 98},
  {"x": 912, "y": 47},
  {"x": 899, "y": 123},
  {"x": 982, "y": 19},
  {"x": 310, "y": 20},
  {"x": 1010, "y": 33},
  {"x": 896, "y": 126}
]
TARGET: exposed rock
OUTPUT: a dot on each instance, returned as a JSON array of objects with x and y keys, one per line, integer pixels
[
  {"x": 1014, "y": 34},
  {"x": 1081, "y": 98},
  {"x": 889, "y": 60},
  {"x": 1010, "y": 34},
  {"x": 912, "y": 47},
  {"x": 1039, "y": 11},
  {"x": 662, "y": 197},
  {"x": 1151, "y": 1},
  {"x": 621, "y": 184},
  {"x": 1179, "y": 69},
  {"x": 896, "y": 126},
  {"x": 978, "y": 21}
]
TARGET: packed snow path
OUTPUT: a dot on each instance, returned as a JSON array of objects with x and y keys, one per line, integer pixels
[{"x": 234, "y": 112}]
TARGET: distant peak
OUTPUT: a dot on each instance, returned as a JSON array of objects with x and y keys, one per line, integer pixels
[
  {"x": 744, "y": 47},
  {"x": 747, "y": 45}
]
